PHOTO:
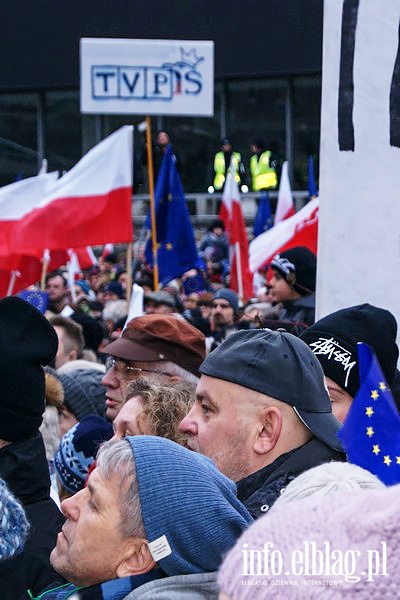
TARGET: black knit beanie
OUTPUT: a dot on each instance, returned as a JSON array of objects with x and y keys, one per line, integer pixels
[
  {"x": 334, "y": 338},
  {"x": 298, "y": 266},
  {"x": 27, "y": 343}
]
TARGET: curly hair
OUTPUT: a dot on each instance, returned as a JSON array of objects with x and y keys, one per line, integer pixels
[{"x": 164, "y": 406}]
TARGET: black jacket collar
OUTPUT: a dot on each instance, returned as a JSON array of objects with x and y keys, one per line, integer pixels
[
  {"x": 23, "y": 465},
  {"x": 259, "y": 490}
]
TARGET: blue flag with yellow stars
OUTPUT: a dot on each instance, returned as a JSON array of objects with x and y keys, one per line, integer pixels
[
  {"x": 371, "y": 431},
  {"x": 37, "y": 298},
  {"x": 177, "y": 251}
]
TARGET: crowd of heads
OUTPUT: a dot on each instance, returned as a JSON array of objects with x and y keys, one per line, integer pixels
[{"x": 176, "y": 439}]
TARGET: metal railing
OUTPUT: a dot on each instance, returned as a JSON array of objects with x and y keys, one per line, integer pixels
[{"x": 203, "y": 207}]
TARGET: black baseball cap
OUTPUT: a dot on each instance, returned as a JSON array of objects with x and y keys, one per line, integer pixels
[{"x": 280, "y": 365}]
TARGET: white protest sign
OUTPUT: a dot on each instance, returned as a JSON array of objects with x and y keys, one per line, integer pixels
[
  {"x": 359, "y": 218},
  {"x": 163, "y": 77}
]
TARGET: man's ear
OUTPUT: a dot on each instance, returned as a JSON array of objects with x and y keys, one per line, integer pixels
[
  {"x": 72, "y": 355},
  {"x": 174, "y": 378},
  {"x": 269, "y": 430},
  {"x": 136, "y": 559}
]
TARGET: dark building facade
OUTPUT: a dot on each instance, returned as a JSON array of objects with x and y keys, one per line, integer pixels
[{"x": 268, "y": 56}]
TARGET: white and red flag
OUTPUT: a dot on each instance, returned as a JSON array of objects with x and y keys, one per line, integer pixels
[
  {"x": 299, "y": 230},
  {"x": 18, "y": 271},
  {"x": 285, "y": 204},
  {"x": 16, "y": 201},
  {"x": 89, "y": 205},
  {"x": 231, "y": 214}
]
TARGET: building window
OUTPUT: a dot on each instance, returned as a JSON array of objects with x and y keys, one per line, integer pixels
[
  {"x": 306, "y": 126},
  {"x": 18, "y": 137},
  {"x": 256, "y": 109},
  {"x": 62, "y": 129}
]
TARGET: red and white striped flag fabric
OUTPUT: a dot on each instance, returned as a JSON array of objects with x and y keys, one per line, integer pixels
[
  {"x": 90, "y": 205},
  {"x": 16, "y": 201},
  {"x": 299, "y": 230},
  {"x": 240, "y": 279},
  {"x": 18, "y": 271},
  {"x": 285, "y": 204}
]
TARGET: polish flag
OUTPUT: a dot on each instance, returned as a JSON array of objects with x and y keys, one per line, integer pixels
[
  {"x": 17, "y": 271},
  {"x": 107, "y": 250},
  {"x": 285, "y": 204},
  {"x": 90, "y": 205},
  {"x": 240, "y": 279},
  {"x": 16, "y": 201},
  {"x": 86, "y": 258},
  {"x": 299, "y": 230},
  {"x": 78, "y": 260}
]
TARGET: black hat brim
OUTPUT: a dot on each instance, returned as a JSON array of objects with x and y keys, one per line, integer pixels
[{"x": 323, "y": 425}]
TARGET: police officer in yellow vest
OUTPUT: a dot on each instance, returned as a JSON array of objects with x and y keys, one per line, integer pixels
[
  {"x": 262, "y": 167},
  {"x": 222, "y": 162}
]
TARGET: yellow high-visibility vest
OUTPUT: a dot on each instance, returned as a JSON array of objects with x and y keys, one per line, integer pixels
[
  {"x": 219, "y": 168},
  {"x": 262, "y": 175}
]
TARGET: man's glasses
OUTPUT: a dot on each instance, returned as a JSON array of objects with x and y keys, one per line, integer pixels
[{"x": 126, "y": 369}]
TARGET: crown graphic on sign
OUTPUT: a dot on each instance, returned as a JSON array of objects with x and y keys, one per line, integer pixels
[{"x": 191, "y": 57}]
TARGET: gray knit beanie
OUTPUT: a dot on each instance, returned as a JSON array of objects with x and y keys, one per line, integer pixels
[{"x": 84, "y": 393}]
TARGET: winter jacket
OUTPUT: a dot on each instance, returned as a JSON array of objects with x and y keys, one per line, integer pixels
[
  {"x": 23, "y": 466},
  {"x": 300, "y": 311},
  {"x": 259, "y": 490},
  {"x": 150, "y": 586},
  {"x": 200, "y": 586},
  {"x": 115, "y": 589}
]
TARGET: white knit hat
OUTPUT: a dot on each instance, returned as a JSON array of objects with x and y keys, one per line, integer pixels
[{"x": 327, "y": 478}]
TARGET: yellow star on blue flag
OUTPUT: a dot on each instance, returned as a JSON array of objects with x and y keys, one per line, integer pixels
[{"x": 371, "y": 433}]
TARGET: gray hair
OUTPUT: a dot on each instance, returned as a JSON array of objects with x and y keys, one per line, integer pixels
[
  {"x": 177, "y": 370},
  {"x": 115, "y": 310},
  {"x": 115, "y": 459}
]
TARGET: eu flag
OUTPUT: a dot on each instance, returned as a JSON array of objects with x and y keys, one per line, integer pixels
[
  {"x": 37, "y": 298},
  {"x": 371, "y": 431},
  {"x": 263, "y": 219},
  {"x": 312, "y": 186},
  {"x": 177, "y": 251}
]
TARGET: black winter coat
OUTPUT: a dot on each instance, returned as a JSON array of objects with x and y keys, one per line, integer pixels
[
  {"x": 23, "y": 466},
  {"x": 259, "y": 490}
]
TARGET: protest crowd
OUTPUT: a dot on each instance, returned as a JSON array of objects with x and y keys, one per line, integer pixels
[{"x": 184, "y": 429}]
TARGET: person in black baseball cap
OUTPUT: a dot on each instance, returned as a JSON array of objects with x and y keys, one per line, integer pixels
[
  {"x": 333, "y": 340},
  {"x": 293, "y": 285},
  {"x": 262, "y": 413}
]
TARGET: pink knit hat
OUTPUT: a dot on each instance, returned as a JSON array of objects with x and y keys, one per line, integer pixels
[{"x": 358, "y": 532}]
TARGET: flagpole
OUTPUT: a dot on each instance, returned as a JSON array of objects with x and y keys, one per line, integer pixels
[
  {"x": 129, "y": 272},
  {"x": 45, "y": 264},
  {"x": 239, "y": 270},
  {"x": 150, "y": 171},
  {"x": 13, "y": 277}
]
